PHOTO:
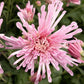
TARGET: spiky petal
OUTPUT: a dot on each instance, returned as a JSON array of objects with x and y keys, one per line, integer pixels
[
  {"x": 1, "y": 8},
  {"x": 74, "y": 2},
  {"x": 1, "y": 70}
]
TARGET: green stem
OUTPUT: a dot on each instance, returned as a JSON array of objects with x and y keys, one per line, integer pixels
[
  {"x": 4, "y": 55},
  {"x": 2, "y": 43},
  {"x": 3, "y": 80}
]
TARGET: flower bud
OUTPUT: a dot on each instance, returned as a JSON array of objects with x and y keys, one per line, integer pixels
[
  {"x": 38, "y": 3},
  {"x": 75, "y": 50},
  {"x": 27, "y": 13}
]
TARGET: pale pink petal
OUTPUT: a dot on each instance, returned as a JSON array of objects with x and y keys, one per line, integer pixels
[
  {"x": 1, "y": 7},
  {"x": 1, "y": 20},
  {"x": 1, "y": 70}
]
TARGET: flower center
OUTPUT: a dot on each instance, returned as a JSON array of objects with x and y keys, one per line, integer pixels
[{"x": 41, "y": 44}]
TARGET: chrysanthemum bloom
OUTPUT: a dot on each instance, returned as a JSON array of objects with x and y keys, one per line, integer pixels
[
  {"x": 74, "y": 2},
  {"x": 75, "y": 50},
  {"x": 27, "y": 13},
  {"x": 42, "y": 43}
]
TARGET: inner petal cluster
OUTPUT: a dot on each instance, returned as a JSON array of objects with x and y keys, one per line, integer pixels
[{"x": 41, "y": 44}]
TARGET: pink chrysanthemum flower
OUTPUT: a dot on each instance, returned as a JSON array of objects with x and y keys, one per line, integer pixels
[
  {"x": 27, "y": 13},
  {"x": 42, "y": 43},
  {"x": 74, "y": 2},
  {"x": 75, "y": 50}
]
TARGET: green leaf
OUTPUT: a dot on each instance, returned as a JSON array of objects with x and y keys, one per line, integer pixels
[
  {"x": 75, "y": 81},
  {"x": 44, "y": 81},
  {"x": 81, "y": 71},
  {"x": 21, "y": 77},
  {"x": 56, "y": 73},
  {"x": 57, "y": 80}
]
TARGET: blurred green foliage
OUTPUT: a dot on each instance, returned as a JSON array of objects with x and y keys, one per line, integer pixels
[{"x": 13, "y": 76}]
